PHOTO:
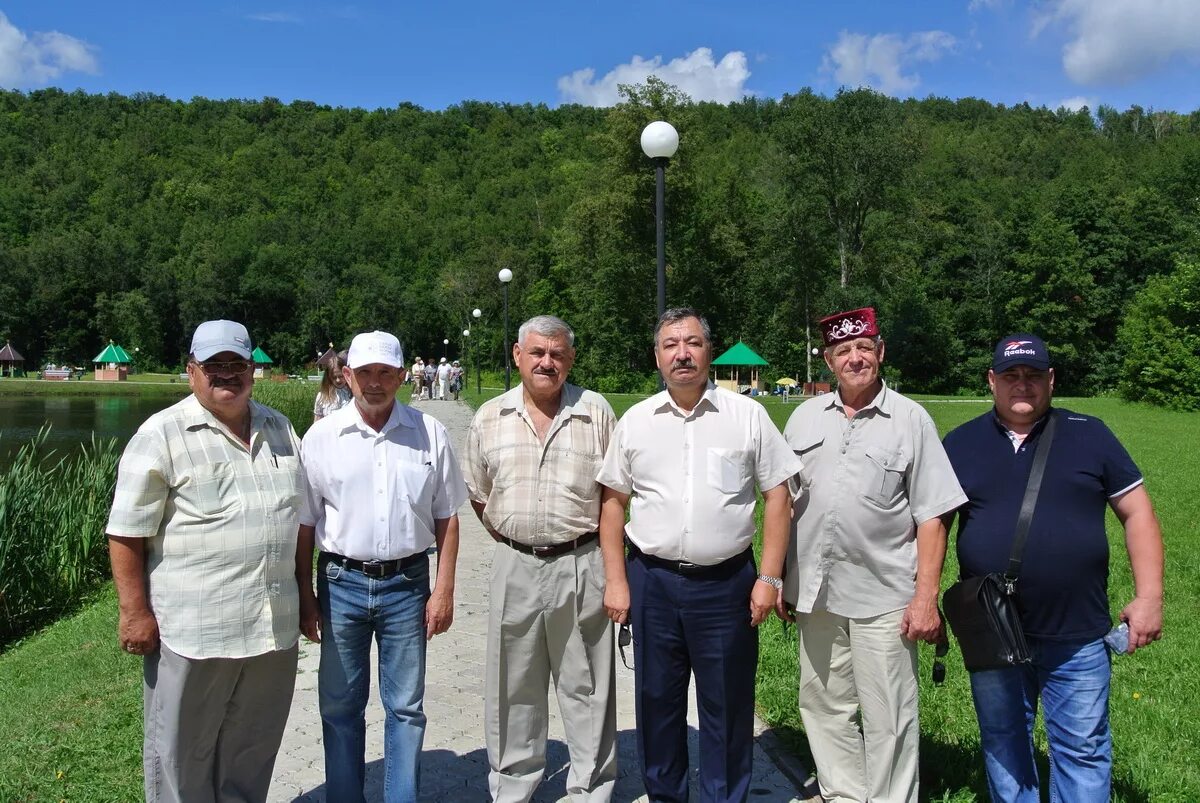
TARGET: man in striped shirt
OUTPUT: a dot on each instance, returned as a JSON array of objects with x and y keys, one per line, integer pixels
[
  {"x": 531, "y": 464},
  {"x": 202, "y": 537}
]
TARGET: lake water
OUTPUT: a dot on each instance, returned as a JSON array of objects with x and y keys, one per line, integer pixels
[{"x": 73, "y": 420}]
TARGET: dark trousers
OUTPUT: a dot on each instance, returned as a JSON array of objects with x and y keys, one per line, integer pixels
[{"x": 684, "y": 624}]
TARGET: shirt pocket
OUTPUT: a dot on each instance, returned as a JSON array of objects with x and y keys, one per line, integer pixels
[
  {"x": 728, "y": 470},
  {"x": 413, "y": 484},
  {"x": 884, "y": 475},
  {"x": 214, "y": 491}
]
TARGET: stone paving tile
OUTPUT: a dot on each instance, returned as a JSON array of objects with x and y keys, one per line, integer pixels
[{"x": 454, "y": 762}]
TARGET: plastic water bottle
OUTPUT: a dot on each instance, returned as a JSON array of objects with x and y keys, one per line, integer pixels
[{"x": 1118, "y": 639}]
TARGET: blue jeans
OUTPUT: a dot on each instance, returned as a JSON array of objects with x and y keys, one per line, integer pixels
[
  {"x": 1072, "y": 680},
  {"x": 354, "y": 608}
]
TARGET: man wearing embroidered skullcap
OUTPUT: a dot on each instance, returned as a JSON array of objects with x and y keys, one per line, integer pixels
[{"x": 864, "y": 566}]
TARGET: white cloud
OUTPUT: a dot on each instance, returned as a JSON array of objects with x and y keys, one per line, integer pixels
[
  {"x": 697, "y": 74},
  {"x": 273, "y": 16},
  {"x": 884, "y": 61},
  {"x": 1077, "y": 103},
  {"x": 1118, "y": 41},
  {"x": 38, "y": 58}
]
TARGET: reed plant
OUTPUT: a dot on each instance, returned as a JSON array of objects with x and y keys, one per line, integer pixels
[
  {"x": 292, "y": 398},
  {"x": 52, "y": 544}
]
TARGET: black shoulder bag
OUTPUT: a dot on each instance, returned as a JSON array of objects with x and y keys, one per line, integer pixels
[{"x": 982, "y": 611}]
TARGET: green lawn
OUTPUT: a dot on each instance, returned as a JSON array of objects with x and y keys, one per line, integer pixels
[{"x": 72, "y": 702}]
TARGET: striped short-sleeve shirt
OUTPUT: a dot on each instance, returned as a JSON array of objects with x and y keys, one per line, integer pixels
[{"x": 220, "y": 522}]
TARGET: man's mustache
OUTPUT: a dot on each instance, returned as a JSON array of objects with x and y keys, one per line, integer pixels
[
  {"x": 687, "y": 362},
  {"x": 545, "y": 371}
]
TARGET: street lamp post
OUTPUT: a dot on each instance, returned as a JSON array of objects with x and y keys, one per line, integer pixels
[
  {"x": 660, "y": 140},
  {"x": 466, "y": 346},
  {"x": 445, "y": 347},
  {"x": 477, "y": 313},
  {"x": 505, "y": 277}
]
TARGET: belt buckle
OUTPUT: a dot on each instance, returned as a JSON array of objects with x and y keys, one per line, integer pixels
[
  {"x": 543, "y": 551},
  {"x": 687, "y": 568},
  {"x": 373, "y": 569}
]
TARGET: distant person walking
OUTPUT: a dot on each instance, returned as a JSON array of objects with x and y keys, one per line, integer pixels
[
  {"x": 202, "y": 537},
  {"x": 382, "y": 487},
  {"x": 334, "y": 393},
  {"x": 456, "y": 379},
  {"x": 443, "y": 380}
]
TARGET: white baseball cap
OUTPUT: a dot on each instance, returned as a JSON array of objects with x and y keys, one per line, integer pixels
[
  {"x": 375, "y": 347},
  {"x": 213, "y": 337}
]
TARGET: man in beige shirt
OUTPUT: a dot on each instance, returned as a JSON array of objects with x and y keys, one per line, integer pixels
[
  {"x": 689, "y": 460},
  {"x": 864, "y": 566},
  {"x": 202, "y": 536},
  {"x": 531, "y": 463}
]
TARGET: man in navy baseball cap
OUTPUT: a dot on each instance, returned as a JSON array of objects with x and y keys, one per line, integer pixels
[{"x": 1021, "y": 349}]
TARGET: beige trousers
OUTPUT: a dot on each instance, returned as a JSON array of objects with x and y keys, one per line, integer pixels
[
  {"x": 848, "y": 666},
  {"x": 547, "y": 623}
]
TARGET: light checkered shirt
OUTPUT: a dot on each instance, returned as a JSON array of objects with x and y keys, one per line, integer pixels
[
  {"x": 220, "y": 524},
  {"x": 537, "y": 493}
]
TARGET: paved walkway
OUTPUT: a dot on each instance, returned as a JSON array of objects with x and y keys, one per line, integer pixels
[{"x": 454, "y": 763}]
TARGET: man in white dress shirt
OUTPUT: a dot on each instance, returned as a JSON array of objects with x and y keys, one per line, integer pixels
[
  {"x": 383, "y": 486},
  {"x": 690, "y": 458}
]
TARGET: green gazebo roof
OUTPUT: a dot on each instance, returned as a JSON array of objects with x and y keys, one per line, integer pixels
[
  {"x": 260, "y": 357},
  {"x": 112, "y": 353},
  {"x": 740, "y": 354}
]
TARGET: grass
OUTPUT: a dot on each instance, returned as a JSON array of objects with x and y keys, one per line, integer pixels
[
  {"x": 141, "y": 385},
  {"x": 72, "y": 701},
  {"x": 52, "y": 548}
]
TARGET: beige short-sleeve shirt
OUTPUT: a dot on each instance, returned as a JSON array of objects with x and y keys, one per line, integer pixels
[
  {"x": 533, "y": 492},
  {"x": 871, "y": 480},
  {"x": 220, "y": 522},
  {"x": 692, "y": 476}
]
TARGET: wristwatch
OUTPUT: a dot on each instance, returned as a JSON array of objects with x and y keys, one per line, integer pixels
[{"x": 774, "y": 582}]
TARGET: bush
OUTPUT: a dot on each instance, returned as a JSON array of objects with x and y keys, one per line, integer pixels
[{"x": 1160, "y": 338}]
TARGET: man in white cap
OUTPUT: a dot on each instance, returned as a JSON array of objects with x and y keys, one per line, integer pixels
[
  {"x": 382, "y": 487},
  {"x": 202, "y": 536},
  {"x": 443, "y": 380}
]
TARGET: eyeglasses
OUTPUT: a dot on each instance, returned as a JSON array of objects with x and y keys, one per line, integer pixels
[
  {"x": 624, "y": 639},
  {"x": 237, "y": 367}
]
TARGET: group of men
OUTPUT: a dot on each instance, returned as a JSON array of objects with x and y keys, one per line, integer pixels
[{"x": 602, "y": 527}]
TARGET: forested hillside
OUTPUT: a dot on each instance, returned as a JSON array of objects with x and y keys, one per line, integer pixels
[{"x": 134, "y": 218}]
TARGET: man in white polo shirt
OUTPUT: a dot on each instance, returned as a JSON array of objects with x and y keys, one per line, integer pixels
[
  {"x": 202, "y": 536},
  {"x": 383, "y": 486},
  {"x": 690, "y": 458}
]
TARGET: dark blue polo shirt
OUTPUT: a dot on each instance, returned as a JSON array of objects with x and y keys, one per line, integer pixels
[{"x": 1063, "y": 583}]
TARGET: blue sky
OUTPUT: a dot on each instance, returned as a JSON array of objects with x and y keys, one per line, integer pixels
[{"x": 438, "y": 53}]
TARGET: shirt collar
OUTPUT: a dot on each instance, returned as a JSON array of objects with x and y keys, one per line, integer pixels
[
  {"x": 513, "y": 401},
  {"x": 350, "y": 418},
  {"x": 196, "y": 414},
  {"x": 1038, "y": 425},
  {"x": 882, "y": 402},
  {"x": 663, "y": 403}
]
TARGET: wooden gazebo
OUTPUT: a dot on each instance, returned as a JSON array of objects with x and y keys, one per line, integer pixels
[
  {"x": 112, "y": 364},
  {"x": 261, "y": 361},
  {"x": 11, "y": 361},
  {"x": 739, "y": 356}
]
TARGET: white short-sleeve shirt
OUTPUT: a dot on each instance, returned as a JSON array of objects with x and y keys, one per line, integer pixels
[
  {"x": 376, "y": 495},
  {"x": 691, "y": 476}
]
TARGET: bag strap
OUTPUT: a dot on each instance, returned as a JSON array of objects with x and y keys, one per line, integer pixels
[{"x": 1030, "y": 502}]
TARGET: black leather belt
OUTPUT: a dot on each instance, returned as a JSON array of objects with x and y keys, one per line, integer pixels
[
  {"x": 724, "y": 568},
  {"x": 377, "y": 569},
  {"x": 550, "y": 550}
]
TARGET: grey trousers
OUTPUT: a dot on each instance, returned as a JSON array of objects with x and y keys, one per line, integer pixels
[
  {"x": 547, "y": 622},
  {"x": 213, "y": 726}
]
